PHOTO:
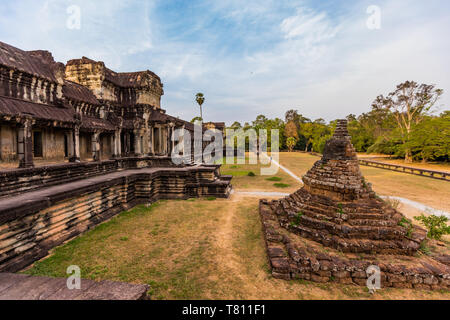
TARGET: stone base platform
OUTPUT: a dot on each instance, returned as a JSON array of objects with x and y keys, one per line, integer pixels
[
  {"x": 294, "y": 257},
  {"x": 25, "y": 287},
  {"x": 33, "y": 222}
]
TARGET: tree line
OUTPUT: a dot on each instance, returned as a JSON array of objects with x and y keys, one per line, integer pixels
[{"x": 403, "y": 124}]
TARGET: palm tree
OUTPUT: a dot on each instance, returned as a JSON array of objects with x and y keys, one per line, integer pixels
[{"x": 200, "y": 98}]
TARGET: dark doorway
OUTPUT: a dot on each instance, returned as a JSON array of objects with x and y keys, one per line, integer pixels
[
  {"x": 37, "y": 144},
  {"x": 122, "y": 144},
  {"x": 66, "y": 146},
  {"x": 157, "y": 142},
  {"x": 132, "y": 143}
]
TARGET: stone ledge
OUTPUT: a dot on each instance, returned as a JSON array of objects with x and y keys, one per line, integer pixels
[
  {"x": 13, "y": 182},
  {"x": 34, "y": 222},
  {"x": 25, "y": 287}
]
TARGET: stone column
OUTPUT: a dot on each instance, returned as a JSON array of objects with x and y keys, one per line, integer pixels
[
  {"x": 150, "y": 140},
  {"x": 172, "y": 141},
  {"x": 164, "y": 139},
  {"x": 25, "y": 144},
  {"x": 145, "y": 143},
  {"x": 117, "y": 144},
  {"x": 184, "y": 130},
  {"x": 160, "y": 140},
  {"x": 75, "y": 157},
  {"x": 96, "y": 146},
  {"x": 137, "y": 142}
]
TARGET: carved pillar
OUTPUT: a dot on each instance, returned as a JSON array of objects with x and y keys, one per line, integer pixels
[
  {"x": 137, "y": 142},
  {"x": 172, "y": 141},
  {"x": 25, "y": 144},
  {"x": 96, "y": 146},
  {"x": 75, "y": 156},
  {"x": 164, "y": 139},
  {"x": 117, "y": 144},
  {"x": 184, "y": 130},
  {"x": 160, "y": 140},
  {"x": 150, "y": 140}
]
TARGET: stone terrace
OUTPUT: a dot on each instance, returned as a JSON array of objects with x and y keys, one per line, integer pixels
[{"x": 36, "y": 221}]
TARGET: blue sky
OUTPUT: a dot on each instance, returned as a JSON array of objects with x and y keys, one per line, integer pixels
[{"x": 249, "y": 57}]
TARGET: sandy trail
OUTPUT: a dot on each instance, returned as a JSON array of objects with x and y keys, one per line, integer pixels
[
  {"x": 227, "y": 259},
  {"x": 289, "y": 172},
  {"x": 420, "y": 206}
]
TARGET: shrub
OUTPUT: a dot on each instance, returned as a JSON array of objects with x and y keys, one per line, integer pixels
[
  {"x": 407, "y": 224},
  {"x": 281, "y": 185},
  {"x": 436, "y": 226},
  {"x": 251, "y": 174},
  {"x": 274, "y": 179},
  {"x": 340, "y": 209},
  {"x": 425, "y": 249},
  {"x": 297, "y": 219}
]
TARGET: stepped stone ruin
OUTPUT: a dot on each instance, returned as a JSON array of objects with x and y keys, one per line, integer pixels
[{"x": 335, "y": 227}]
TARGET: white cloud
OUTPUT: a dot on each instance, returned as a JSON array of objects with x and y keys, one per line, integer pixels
[
  {"x": 287, "y": 55},
  {"x": 309, "y": 25}
]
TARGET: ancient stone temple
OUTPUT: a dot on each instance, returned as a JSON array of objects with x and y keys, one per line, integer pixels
[
  {"x": 80, "y": 143},
  {"x": 335, "y": 227},
  {"x": 79, "y": 111}
]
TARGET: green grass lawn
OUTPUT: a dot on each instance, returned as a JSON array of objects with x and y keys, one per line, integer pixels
[{"x": 242, "y": 180}]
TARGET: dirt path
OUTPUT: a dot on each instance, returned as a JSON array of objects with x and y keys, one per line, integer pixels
[
  {"x": 227, "y": 261},
  {"x": 420, "y": 207},
  {"x": 261, "y": 194},
  {"x": 289, "y": 172}
]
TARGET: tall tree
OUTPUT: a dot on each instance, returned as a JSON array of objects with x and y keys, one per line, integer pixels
[
  {"x": 307, "y": 130},
  {"x": 292, "y": 115},
  {"x": 236, "y": 125},
  {"x": 200, "y": 98},
  {"x": 430, "y": 140},
  {"x": 290, "y": 143},
  {"x": 291, "y": 130},
  {"x": 409, "y": 103}
]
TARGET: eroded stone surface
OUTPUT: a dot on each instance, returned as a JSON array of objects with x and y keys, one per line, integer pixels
[
  {"x": 24, "y": 287},
  {"x": 293, "y": 256}
]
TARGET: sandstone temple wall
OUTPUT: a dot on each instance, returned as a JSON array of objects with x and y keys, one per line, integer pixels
[
  {"x": 22, "y": 85},
  {"x": 53, "y": 144},
  {"x": 8, "y": 143}
]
